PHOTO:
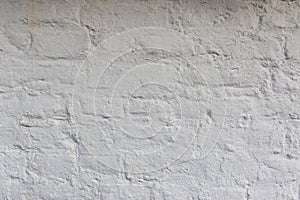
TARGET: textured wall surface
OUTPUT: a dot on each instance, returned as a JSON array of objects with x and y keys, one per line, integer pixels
[{"x": 160, "y": 99}]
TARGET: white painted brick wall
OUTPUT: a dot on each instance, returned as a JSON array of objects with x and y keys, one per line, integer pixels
[{"x": 161, "y": 99}]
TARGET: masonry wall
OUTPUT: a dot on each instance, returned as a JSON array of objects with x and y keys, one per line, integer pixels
[{"x": 139, "y": 99}]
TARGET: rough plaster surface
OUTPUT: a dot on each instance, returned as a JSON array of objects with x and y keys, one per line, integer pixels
[{"x": 157, "y": 99}]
